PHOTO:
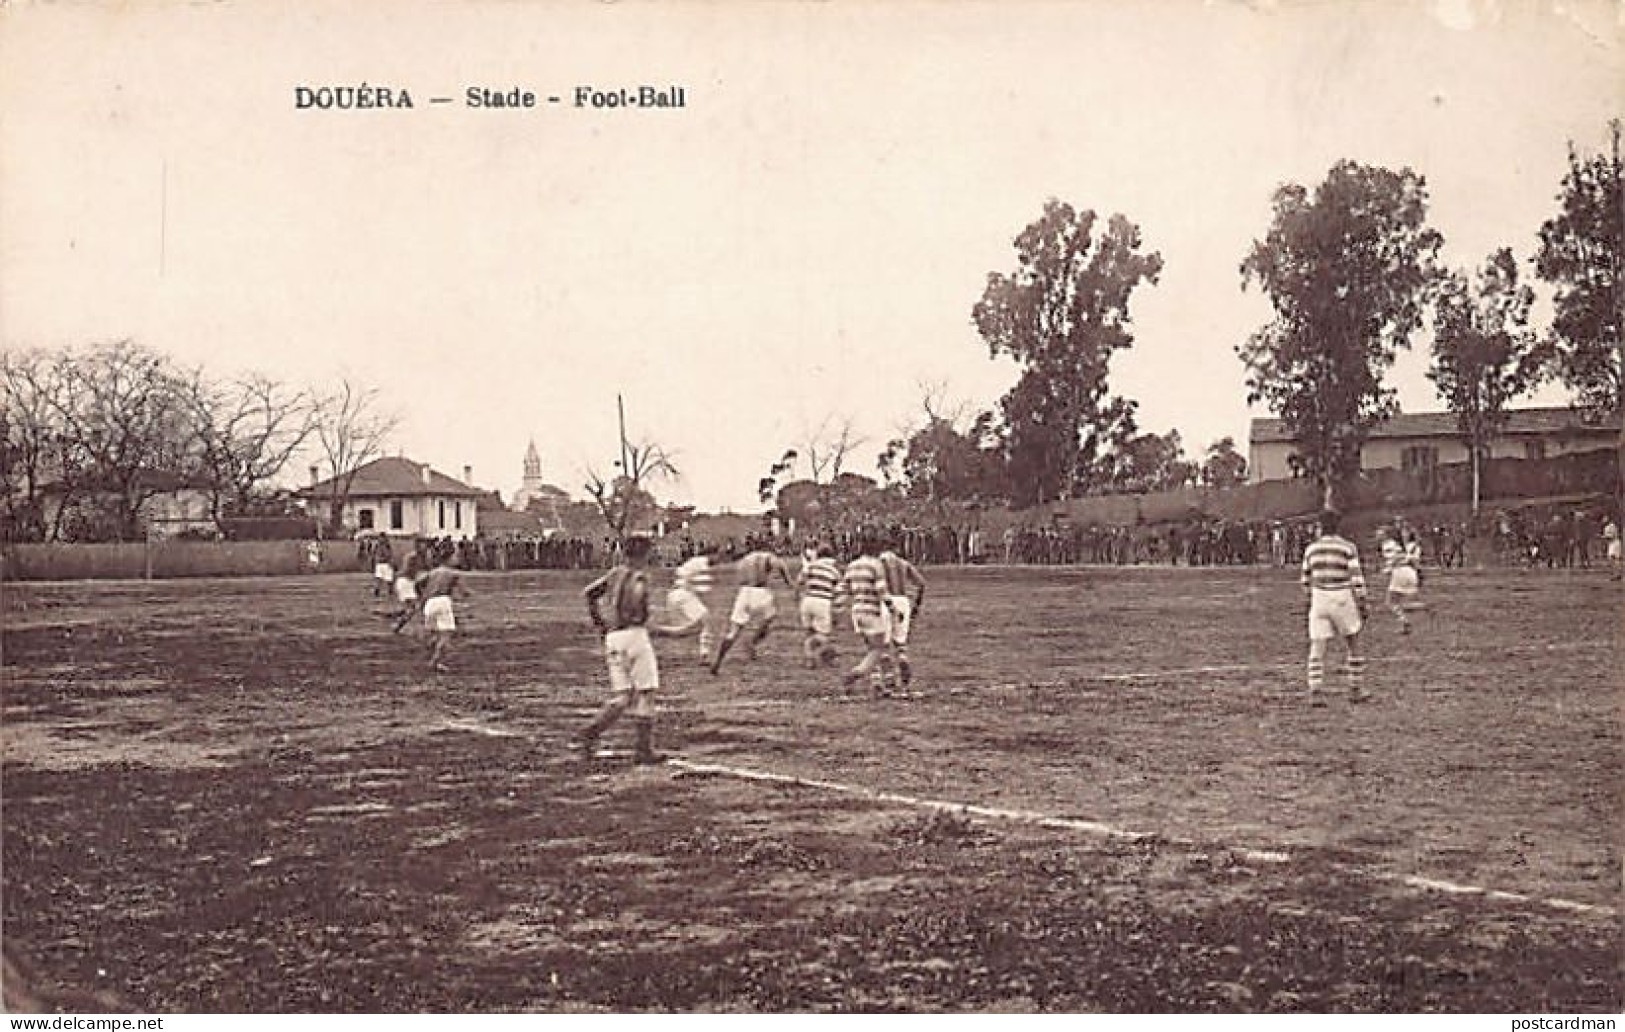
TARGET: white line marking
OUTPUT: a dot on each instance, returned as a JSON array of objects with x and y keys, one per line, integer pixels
[
  {"x": 1109, "y": 831},
  {"x": 479, "y": 729}
]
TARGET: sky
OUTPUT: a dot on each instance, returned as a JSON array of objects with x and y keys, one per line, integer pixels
[{"x": 805, "y": 239}]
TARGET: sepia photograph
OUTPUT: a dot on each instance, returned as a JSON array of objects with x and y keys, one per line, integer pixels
[{"x": 929, "y": 507}]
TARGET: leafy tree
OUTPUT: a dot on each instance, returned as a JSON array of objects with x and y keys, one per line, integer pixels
[
  {"x": 1151, "y": 462},
  {"x": 1223, "y": 466},
  {"x": 1347, "y": 268},
  {"x": 1580, "y": 255},
  {"x": 1484, "y": 354},
  {"x": 1061, "y": 315}
]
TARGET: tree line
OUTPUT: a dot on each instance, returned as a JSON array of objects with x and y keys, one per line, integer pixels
[
  {"x": 1351, "y": 270},
  {"x": 90, "y": 434}
]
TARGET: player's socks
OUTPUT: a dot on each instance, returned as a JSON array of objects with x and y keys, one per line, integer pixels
[
  {"x": 1356, "y": 673},
  {"x": 643, "y": 749},
  {"x": 722, "y": 650}
]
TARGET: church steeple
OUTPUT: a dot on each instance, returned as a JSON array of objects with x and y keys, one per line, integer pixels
[{"x": 533, "y": 463}]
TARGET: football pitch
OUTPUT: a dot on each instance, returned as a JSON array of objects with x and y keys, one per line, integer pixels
[{"x": 1110, "y": 795}]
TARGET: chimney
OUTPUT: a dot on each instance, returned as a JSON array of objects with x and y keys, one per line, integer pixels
[
  {"x": 468, "y": 475},
  {"x": 313, "y": 471},
  {"x": 424, "y": 469}
]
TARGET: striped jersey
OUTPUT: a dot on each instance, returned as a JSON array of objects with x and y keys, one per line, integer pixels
[
  {"x": 1394, "y": 555},
  {"x": 1332, "y": 563},
  {"x": 819, "y": 577},
  {"x": 900, "y": 573},
  {"x": 694, "y": 575},
  {"x": 865, "y": 585},
  {"x": 627, "y": 593}
]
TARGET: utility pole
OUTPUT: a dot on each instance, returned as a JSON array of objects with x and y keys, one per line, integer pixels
[{"x": 620, "y": 406}]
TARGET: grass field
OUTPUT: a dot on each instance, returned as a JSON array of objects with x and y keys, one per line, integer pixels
[{"x": 249, "y": 796}]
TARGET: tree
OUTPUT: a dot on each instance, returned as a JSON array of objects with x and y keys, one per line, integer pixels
[
  {"x": 247, "y": 431},
  {"x": 30, "y": 440},
  {"x": 1223, "y": 466},
  {"x": 827, "y": 446},
  {"x": 1151, "y": 462},
  {"x": 1347, "y": 269},
  {"x": 624, "y": 500},
  {"x": 124, "y": 433},
  {"x": 1061, "y": 315},
  {"x": 768, "y": 486},
  {"x": 1580, "y": 255},
  {"x": 1484, "y": 355},
  {"x": 351, "y": 431}
]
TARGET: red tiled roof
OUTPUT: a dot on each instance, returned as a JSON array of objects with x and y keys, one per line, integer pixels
[
  {"x": 394, "y": 477},
  {"x": 1553, "y": 420}
]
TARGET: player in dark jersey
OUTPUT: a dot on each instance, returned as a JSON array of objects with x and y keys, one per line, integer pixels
[{"x": 618, "y": 605}]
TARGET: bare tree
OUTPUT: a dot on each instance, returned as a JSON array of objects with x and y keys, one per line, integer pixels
[
  {"x": 624, "y": 500},
  {"x": 351, "y": 431},
  {"x": 247, "y": 431},
  {"x": 828, "y": 446},
  {"x": 30, "y": 437},
  {"x": 125, "y": 436}
]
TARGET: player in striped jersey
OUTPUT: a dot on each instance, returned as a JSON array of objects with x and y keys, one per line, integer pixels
[
  {"x": 905, "y": 594},
  {"x": 754, "y": 603},
  {"x": 691, "y": 586},
  {"x": 634, "y": 674},
  {"x": 1404, "y": 579},
  {"x": 1336, "y": 589},
  {"x": 864, "y": 588},
  {"x": 817, "y": 582}
]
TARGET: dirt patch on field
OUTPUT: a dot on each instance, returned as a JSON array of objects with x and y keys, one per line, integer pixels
[{"x": 262, "y": 801}]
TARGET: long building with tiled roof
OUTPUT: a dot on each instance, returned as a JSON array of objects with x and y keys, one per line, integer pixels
[{"x": 1418, "y": 440}]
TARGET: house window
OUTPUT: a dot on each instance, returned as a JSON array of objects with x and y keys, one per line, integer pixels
[
  {"x": 1418, "y": 458},
  {"x": 363, "y": 519},
  {"x": 1534, "y": 450},
  {"x": 457, "y": 515},
  {"x": 442, "y": 514},
  {"x": 397, "y": 514}
]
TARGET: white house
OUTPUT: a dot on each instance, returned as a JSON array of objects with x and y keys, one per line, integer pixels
[{"x": 400, "y": 497}]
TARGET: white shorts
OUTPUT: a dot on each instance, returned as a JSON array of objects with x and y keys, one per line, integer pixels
[
  {"x": 1613, "y": 549},
  {"x": 405, "y": 590},
  {"x": 1403, "y": 581},
  {"x": 816, "y": 615},
  {"x": 1333, "y": 614},
  {"x": 873, "y": 628},
  {"x": 384, "y": 572},
  {"x": 902, "y": 617},
  {"x": 753, "y": 603},
  {"x": 438, "y": 615},
  {"x": 633, "y": 672},
  {"x": 687, "y": 604}
]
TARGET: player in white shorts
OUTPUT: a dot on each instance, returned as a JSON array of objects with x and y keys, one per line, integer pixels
[
  {"x": 1336, "y": 589},
  {"x": 406, "y": 590},
  {"x": 817, "y": 583},
  {"x": 383, "y": 568},
  {"x": 1404, "y": 580},
  {"x": 691, "y": 587},
  {"x": 437, "y": 587},
  {"x": 754, "y": 603},
  {"x": 905, "y": 594},
  {"x": 634, "y": 673},
  {"x": 863, "y": 586}
]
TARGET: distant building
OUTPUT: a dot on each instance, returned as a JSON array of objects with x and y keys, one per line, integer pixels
[
  {"x": 537, "y": 496},
  {"x": 1421, "y": 440},
  {"x": 173, "y": 504},
  {"x": 397, "y": 496}
]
